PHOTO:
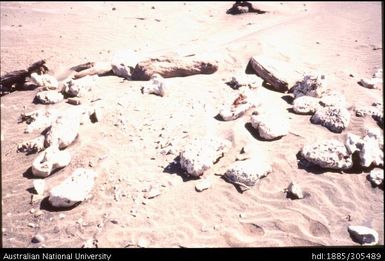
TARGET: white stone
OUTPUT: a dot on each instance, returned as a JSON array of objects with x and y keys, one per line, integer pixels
[
  {"x": 334, "y": 118},
  {"x": 49, "y": 160},
  {"x": 65, "y": 129},
  {"x": 330, "y": 154},
  {"x": 49, "y": 97},
  {"x": 371, "y": 153},
  {"x": 143, "y": 243},
  {"x": 39, "y": 119},
  {"x": 80, "y": 87},
  {"x": 363, "y": 235},
  {"x": 295, "y": 191},
  {"x": 353, "y": 143},
  {"x": 376, "y": 176},
  {"x": 39, "y": 186},
  {"x": 74, "y": 189},
  {"x": 311, "y": 85},
  {"x": 203, "y": 185},
  {"x": 305, "y": 105},
  {"x": 124, "y": 62},
  {"x": 377, "y": 134},
  {"x": 155, "y": 86},
  {"x": 247, "y": 172},
  {"x": 200, "y": 154},
  {"x": 332, "y": 98},
  {"x": 48, "y": 82},
  {"x": 271, "y": 124}
]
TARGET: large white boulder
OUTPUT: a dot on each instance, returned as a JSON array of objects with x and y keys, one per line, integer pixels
[
  {"x": 330, "y": 154},
  {"x": 49, "y": 160},
  {"x": 39, "y": 119},
  {"x": 124, "y": 62},
  {"x": 376, "y": 176},
  {"x": 247, "y": 172},
  {"x": 74, "y": 189},
  {"x": 334, "y": 118},
  {"x": 200, "y": 154}
]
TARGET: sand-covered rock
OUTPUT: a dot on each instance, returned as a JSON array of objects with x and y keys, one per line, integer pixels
[
  {"x": 271, "y": 123},
  {"x": 310, "y": 85},
  {"x": 155, "y": 86},
  {"x": 49, "y": 97},
  {"x": 247, "y": 172},
  {"x": 203, "y": 184},
  {"x": 200, "y": 154},
  {"x": 363, "y": 235},
  {"x": 169, "y": 67},
  {"x": 332, "y": 98},
  {"x": 124, "y": 62},
  {"x": 65, "y": 129},
  {"x": 73, "y": 189},
  {"x": 49, "y": 160},
  {"x": 305, "y": 105},
  {"x": 79, "y": 87},
  {"x": 33, "y": 145},
  {"x": 334, "y": 118},
  {"x": 329, "y": 154},
  {"x": 48, "y": 82},
  {"x": 376, "y": 176}
]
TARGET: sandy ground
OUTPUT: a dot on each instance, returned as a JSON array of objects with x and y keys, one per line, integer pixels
[{"x": 338, "y": 39}]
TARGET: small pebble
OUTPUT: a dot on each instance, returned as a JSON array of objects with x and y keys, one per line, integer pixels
[{"x": 38, "y": 238}]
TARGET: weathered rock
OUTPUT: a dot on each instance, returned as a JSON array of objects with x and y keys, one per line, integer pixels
[
  {"x": 203, "y": 185},
  {"x": 353, "y": 143},
  {"x": 332, "y": 98},
  {"x": 99, "y": 69},
  {"x": 39, "y": 119},
  {"x": 311, "y": 85},
  {"x": 246, "y": 173},
  {"x": 39, "y": 186},
  {"x": 74, "y": 189},
  {"x": 79, "y": 88},
  {"x": 65, "y": 129},
  {"x": 200, "y": 154},
  {"x": 49, "y": 160},
  {"x": 330, "y": 154},
  {"x": 363, "y": 235},
  {"x": 96, "y": 114},
  {"x": 238, "y": 108},
  {"x": 49, "y": 97},
  {"x": 155, "y": 86},
  {"x": 38, "y": 238},
  {"x": 48, "y": 82},
  {"x": 294, "y": 191},
  {"x": 371, "y": 153},
  {"x": 32, "y": 146},
  {"x": 305, "y": 105},
  {"x": 335, "y": 118},
  {"x": 372, "y": 83},
  {"x": 376, "y": 176},
  {"x": 124, "y": 62},
  {"x": 169, "y": 67},
  {"x": 273, "y": 72},
  {"x": 271, "y": 124},
  {"x": 241, "y": 7},
  {"x": 74, "y": 101},
  {"x": 245, "y": 80}
]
